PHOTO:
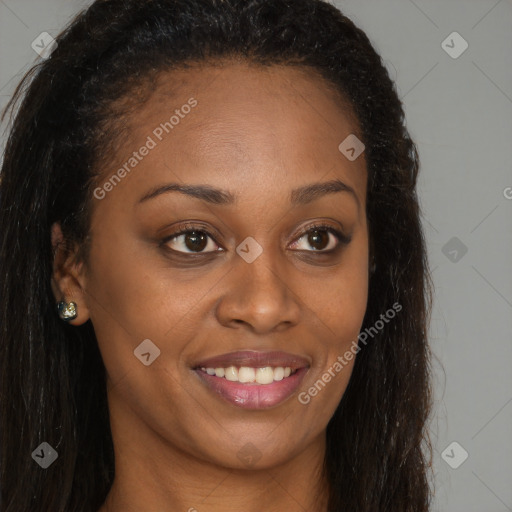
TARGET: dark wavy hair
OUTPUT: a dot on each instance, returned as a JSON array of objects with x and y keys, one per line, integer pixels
[{"x": 63, "y": 114}]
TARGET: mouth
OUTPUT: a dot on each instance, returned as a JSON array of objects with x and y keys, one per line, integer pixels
[{"x": 253, "y": 380}]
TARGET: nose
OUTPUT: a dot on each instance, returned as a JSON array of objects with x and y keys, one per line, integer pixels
[{"x": 263, "y": 296}]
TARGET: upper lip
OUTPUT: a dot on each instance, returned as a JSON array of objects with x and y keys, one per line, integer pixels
[{"x": 255, "y": 359}]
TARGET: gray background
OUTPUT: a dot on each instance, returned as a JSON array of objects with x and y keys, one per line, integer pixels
[{"x": 459, "y": 112}]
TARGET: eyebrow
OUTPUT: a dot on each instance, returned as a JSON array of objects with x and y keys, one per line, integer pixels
[{"x": 298, "y": 196}]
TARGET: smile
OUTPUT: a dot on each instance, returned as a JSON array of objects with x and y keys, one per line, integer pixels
[{"x": 253, "y": 380}]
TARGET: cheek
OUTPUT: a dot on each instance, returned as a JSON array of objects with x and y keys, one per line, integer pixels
[
  {"x": 131, "y": 300},
  {"x": 342, "y": 301},
  {"x": 136, "y": 295},
  {"x": 130, "y": 284},
  {"x": 341, "y": 306}
]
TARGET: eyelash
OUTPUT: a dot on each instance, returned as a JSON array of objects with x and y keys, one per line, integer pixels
[{"x": 187, "y": 228}]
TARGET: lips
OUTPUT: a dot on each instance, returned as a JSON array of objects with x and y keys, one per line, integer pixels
[{"x": 232, "y": 377}]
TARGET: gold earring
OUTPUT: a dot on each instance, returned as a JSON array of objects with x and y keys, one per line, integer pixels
[{"x": 67, "y": 310}]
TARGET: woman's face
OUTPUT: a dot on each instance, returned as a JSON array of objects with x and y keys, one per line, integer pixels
[{"x": 253, "y": 287}]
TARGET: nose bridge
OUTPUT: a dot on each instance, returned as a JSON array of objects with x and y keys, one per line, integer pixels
[
  {"x": 260, "y": 268},
  {"x": 259, "y": 294}
]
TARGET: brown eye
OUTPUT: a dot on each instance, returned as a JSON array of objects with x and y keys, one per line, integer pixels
[
  {"x": 322, "y": 238},
  {"x": 191, "y": 241},
  {"x": 195, "y": 240},
  {"x": 318, "y": 239}
]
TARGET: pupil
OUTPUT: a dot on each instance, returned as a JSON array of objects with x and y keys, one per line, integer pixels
[
  {"x": 199, "y": 241},
  {"x": 315, "y": 238}
]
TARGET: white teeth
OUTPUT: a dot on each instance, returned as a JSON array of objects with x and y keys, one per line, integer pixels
[
  {"x": 245, "y": 374},
  {"x": 231, "y": 374},
  {"x": 279, "y": 373},
  {"x": 264, "y": 375}
]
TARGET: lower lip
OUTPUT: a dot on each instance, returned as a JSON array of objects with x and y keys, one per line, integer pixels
[{"x": 251, "y": 395}]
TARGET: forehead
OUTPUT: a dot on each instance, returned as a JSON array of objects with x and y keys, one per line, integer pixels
[
  {"x": 250, "y": 94},
  {"x": 248, "y": 123}
]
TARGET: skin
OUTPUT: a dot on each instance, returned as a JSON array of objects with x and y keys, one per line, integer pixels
[{"x": 259, "y": 133}]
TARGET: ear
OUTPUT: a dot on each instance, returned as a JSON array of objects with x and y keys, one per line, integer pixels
[{"x": 68, "y": 277}]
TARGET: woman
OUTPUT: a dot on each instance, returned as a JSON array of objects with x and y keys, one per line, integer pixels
[{"x": 215, "y": 293}]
